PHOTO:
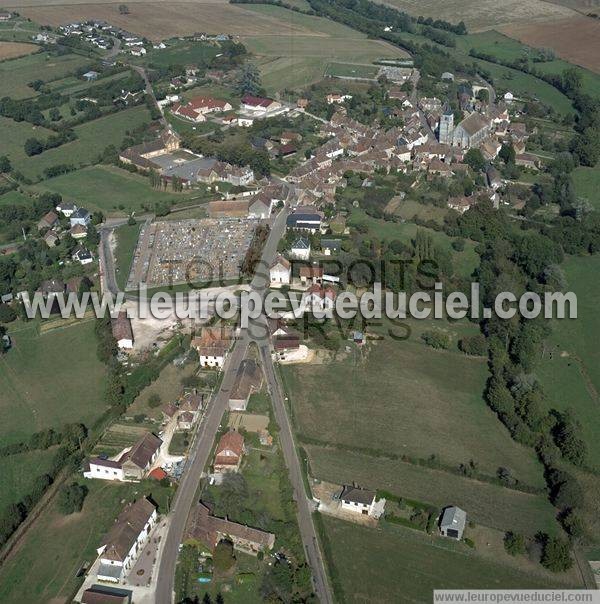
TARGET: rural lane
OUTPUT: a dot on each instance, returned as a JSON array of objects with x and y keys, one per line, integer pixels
[{"x": 202, "y": 446}]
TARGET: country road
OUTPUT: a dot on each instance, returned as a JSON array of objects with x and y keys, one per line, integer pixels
[{"x": 202, "y": 446}]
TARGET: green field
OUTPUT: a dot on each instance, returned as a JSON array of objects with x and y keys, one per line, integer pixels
[
  {"x": 48, "y": 559},
  {"x": 179, "y": 52},
  {"x": 14, "y": 135},
  {"x": 587, "y": 185},
  {"x": 48, "y": 380},
  {"x": 73, "y": 85},
  {"x": 351, "y": 70},
  {"x": 504, "y": 78},
  {"x": 92, "y": 138},
  {"x": 108, "y": 189},
  {"x": 406, "y": 398},
  {"x": 490, "y": 505},
  {"x": 509, "y": 49},
  {"x": 20, "y": 472},
  {"x": 392, "y": 564},
  {"x": 14, "y": 197},
  {"x": 464, "y": 262},
  {"x": 409, "y": 208},
  {"x": 570, "y": 367},
  {"x": 293, "y": 61},
  {"x": 17, "y": 73},
  {"x": 127, "y": 237}
]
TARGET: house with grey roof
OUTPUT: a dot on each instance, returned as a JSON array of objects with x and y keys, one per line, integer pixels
[
  {"x": 453, "y": 522},
  {"x": 361, "y": 501}
]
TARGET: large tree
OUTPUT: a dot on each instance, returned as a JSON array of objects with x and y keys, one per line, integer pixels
[{"x": 248, "y": 81}]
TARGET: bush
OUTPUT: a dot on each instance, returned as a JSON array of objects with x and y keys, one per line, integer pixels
[
  {"x": 436, "y": 339},
  {"x": 7, "y": 313},
  {"x": 71, "y": 498},
  {"x": 556, "y": 555},
  {"x": 154, "y": 400},
  {"x": 514, "y": 543},
  {"x": 473, "y": 345}
]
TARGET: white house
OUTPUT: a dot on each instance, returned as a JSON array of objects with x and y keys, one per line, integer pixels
[
  {"x": 259, "y": 106},
  {"x": 104, "y": 469},
  {"x": 82, "y": 255},
  {"x": 280, "y": 272},
  {"x": 80, "y": 216},
  {"x": 124, "y": 542},
  {"x": 66, "y": 209},
  {"x": 453, "y": 522},
  {"x": 300, "y": 249},
  {"x": 213, "y": 346},
  {"x": 357, "y": 500}
]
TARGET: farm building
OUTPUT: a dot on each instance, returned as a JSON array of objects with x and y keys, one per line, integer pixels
[
  {"x": 125, "y": 540},
  {"x": 453, "y": 522}
]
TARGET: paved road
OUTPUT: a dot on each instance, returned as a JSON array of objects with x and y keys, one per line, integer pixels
[
  {"x": 292, "y": 462},
  {"x": 201, "y": 448}
]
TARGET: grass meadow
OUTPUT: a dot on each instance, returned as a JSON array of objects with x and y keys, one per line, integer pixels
[
  {"x": 464, "y": 262},
  {"x": 16, "y": 74},
  {"x": 394, "y": 563},
  {"x": 587, "y": 185},
  {"x": 50, "y": 556},
  {"x": 48, "y": 380},
  {"x": 127, "y": 238},
  {"x": 570, "y": 367},
  {"x": 14, "y": 135},
  {"x": 291, "y": 61},
  {"x": 108, "y": 189},
  {"x": 488, "y": 504},
  {"x": 92, "y": 138},
  {"x": 406, "y": 398}
]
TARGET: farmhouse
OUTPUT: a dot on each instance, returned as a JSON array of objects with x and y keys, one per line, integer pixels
[
  {"x": 213, "y": 345},
  {"x": 280, "y": 271},
  {"x": 51, "y": 238},
  {"x": 247, "y": 380},
  {"x": 104, "y": 469},
  {"x": 137, "y": 462},
  {"x": 259, "y": 106},
  {"x": 311, "y": 274},
  {"x": 453, "y": 522},
  {"x": 125, "y": 540},
  {"x": 47, "y": 221},
  {"x": 229, "y": 451},
  {"x": 317, "y": 298},
  {"x": 78, "y": 232},
  {"x": 197, "y": 108},
  {"x": 527, "y": 160},
  {"x": 100, "y": 594},
  {"x": 209, "y": 529},
  {"x": 331, "y": 246},
  {"x": 66, "y": 208},
  {"x": 122, "y": 332}
]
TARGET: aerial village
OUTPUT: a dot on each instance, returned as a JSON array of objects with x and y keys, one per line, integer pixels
[{"x": 452, "y": 142}]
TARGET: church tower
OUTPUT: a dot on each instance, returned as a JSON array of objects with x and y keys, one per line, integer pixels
[{"x": 446, "y": 127}]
